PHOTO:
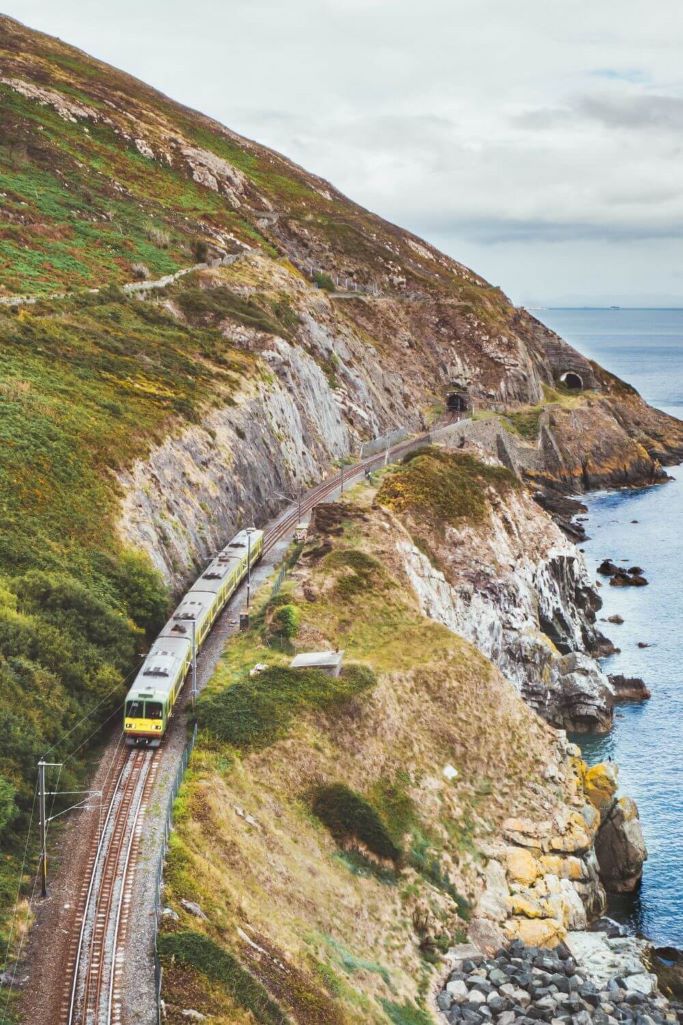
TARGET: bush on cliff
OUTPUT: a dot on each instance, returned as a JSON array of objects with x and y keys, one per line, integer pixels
[
  {"x": 349, "y": 816},
  {"x": 257, "y": 711},
  {"x": 439, "y": 487}
]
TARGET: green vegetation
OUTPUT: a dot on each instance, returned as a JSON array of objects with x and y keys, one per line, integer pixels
[
  {"x": 425, "y": 860},
  {"x": 324, "y": 281},
  {"x": 405, "y": 1014},
  {"x": 86, "y": 386},
  {"x": 285, "y": 621},
  {"x": 199, "y": 952},
  {"x": 349, "y": 816},
  {"x": 351, "y": 963},
  {"x": 439, "y": 487},
  {"x": 357, "y": 572},
  {"x": 525, "y": 422},
  {"x": 209, "y": 306},
  {"x": 257, "y": 711}
]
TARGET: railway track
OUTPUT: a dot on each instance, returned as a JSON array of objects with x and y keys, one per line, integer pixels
[
  {"x": 93, "y": 967},
  {"x": 328, "y": 487}
]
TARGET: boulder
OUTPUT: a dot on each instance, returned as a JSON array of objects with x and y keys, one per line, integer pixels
[
  {"x": 194, "y": 909},
  {"x": 485, "y": 935},
  {"x": 623, "y": 579},
  {"x": 493, "y": 901},
  {"x": 620, "y": 847},
  {"x": 615, "y": 618},
  {"x": 585, "y": 695},
  {"x": 607, "y": 568},
  {"x": 536, "y": 932},
  {"x": 600, "y": 784},
  {"x": 522, "y": 866}
]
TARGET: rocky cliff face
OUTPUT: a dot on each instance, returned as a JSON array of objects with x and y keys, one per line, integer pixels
[{"x": 515, "y": 586}]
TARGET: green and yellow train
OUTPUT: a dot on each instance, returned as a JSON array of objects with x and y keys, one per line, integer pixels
[{"x": 149, "y": 702}]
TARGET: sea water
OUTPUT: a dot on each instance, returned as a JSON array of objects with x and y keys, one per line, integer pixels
[{"x": 643, "y": 527}]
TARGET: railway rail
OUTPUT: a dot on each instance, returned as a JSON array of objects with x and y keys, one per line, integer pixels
[{"x": 94, "y": 967}]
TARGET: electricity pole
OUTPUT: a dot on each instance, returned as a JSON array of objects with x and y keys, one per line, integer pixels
[{"x": 43, "y": 828}]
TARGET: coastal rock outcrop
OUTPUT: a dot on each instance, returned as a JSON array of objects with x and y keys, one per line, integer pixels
[
  {"x": 620, "y": 847},
  {"x": 619, "y": 843},
  {"x": 628, "y": 688},
  {"x": 516, "y": 587}
]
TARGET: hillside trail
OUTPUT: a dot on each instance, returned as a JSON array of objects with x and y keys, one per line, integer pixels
[{"x": 130, "y": 288}]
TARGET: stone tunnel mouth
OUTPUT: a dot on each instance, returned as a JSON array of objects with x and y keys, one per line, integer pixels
[{"x": 570, "y": 379}]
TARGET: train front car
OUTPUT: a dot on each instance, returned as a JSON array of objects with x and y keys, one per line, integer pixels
[{"x": 150, "y": 700}]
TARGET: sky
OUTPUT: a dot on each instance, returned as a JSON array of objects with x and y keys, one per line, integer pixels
[{"x": 537, "y": 141}]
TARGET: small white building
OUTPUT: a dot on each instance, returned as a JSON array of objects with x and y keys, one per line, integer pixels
[{"x": 329, "y": 662}]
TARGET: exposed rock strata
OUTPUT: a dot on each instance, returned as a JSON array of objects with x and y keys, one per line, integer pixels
[{"x": 519, "y": 590}]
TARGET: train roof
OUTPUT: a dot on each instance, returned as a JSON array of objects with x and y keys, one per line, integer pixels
[
  {"x": 238, "y": 544},
  {"x": 179, "y": 646},
  {"x": 157, "y": 676},
  {"x": 195, "y": 607},
  {"x": 228, "y": 559}
]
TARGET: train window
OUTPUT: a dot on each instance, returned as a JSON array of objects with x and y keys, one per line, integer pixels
[
  {"x": 154, "y": 710},
  {"x": 134, "y": 710}
]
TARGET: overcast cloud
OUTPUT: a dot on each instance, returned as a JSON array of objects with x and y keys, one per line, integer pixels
[{"x": 539, "y": 141}]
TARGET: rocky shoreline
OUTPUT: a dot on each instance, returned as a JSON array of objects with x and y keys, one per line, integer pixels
[{"x": 589, "y": 979}]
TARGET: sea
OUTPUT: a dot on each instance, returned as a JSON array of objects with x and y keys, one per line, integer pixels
[{"x": 643, "y": 527}]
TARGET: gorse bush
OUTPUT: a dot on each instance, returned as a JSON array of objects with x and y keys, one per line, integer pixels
[
  {"x": 257, "y": 711},
  {"x": 324, "y": 281},
  {"x": 439, "y": 487},
  {"x": 349, "y": 816},
  {"x": 285, "y": 622}
]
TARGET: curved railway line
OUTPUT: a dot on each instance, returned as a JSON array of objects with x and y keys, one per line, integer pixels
[{"x": 93, "y": 975}]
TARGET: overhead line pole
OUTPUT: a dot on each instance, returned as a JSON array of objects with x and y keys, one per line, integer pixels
[
  {"x": 42, "y": 794},
  {"x": 43, "y": 828}
]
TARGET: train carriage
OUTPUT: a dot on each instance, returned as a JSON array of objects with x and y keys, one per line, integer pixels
[{"x": 149, "y": 702}]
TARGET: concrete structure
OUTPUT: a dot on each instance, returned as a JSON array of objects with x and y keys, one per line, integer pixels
[{"x": 329, "y": 662}]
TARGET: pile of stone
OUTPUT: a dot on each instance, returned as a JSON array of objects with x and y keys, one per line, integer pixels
[{"x": 526, "y": 985}]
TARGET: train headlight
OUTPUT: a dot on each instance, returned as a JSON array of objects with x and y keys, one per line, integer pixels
[{"x": 157, "y": 727}]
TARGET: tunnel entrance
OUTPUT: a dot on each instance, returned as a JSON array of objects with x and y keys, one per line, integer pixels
[
  {"x": 457, "y": 402},
  {"x": 570, "y": 379}
]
